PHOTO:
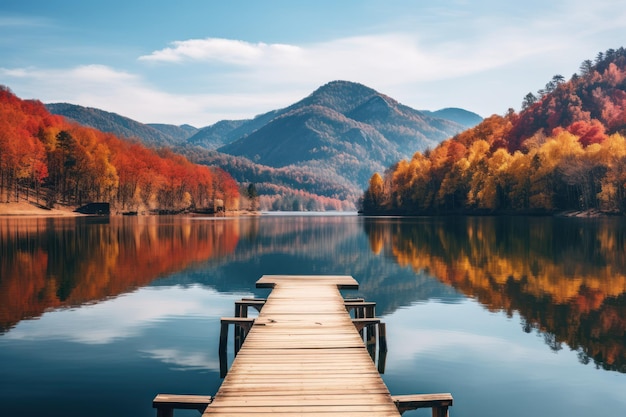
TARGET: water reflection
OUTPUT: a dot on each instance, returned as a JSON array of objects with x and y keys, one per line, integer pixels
[
  {"x": 50, "y": 263},
  {"x": 138, "y": 300},
  {"x": 565, "y": 277},
  {"x": 120, "y": 318}
]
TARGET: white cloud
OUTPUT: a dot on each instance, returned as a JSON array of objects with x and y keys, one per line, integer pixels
[
  {"x": 222, "y": 50},
  {"x": 185, "y": 360},
  {"x": 384, "y": 59},
  {"x": 124, "y": 316},
  {"x": 130, "y": 96},
  {"x": 483, "y": 60},
  {"x": 393, "y": 63},
  {"x": 78, "y": 78}
]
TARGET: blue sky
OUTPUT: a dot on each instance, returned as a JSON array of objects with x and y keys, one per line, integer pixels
[{"x": 197, "y": 62}]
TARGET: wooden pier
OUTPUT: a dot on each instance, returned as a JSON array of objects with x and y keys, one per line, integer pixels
[{"x": 303, "y": 356}]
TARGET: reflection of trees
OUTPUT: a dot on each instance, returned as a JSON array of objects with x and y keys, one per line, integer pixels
[
  {"x": 317, "y": 245},
  {"x": 49, "y": 263},
  {"x": 566, "y": 278}
]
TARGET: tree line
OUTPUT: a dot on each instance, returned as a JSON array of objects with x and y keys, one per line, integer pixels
[
  {"x": 565, "y": 150},
  {"x": 45, "y": 157}
]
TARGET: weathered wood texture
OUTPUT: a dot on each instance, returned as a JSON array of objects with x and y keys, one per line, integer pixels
[
  {"x": 439, "y": 403},
  {"x": 166, "y": 403},
  {"x": 303, "y": 356}
]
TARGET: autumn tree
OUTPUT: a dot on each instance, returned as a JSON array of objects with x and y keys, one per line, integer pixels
[
  {"x": 374, "y": 198},
  {"x": 559, "y": 153},
  {"x": 78, "y": 164},
  {"x": 612, "y": 197},
  {"x": 529, "y": 100}
]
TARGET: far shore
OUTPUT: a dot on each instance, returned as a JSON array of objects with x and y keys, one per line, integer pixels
[
  {"x": 24, "y": 208},
  {"x": 30, "y": 209}
]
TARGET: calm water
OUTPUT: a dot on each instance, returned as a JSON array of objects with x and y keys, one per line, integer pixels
[{"x": 515, "y": 316}]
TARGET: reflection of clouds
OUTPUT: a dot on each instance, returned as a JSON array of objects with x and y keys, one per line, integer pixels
[
  {"x": 124, "y": 316},
  {"x": 184, "y": 361},
  {"x": 456, "y": 344},
  {"x": 465, "y": 349},
  {"x": 452, "y": 332}
]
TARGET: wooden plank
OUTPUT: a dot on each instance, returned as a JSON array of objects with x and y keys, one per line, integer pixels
[
  {"x": 181, "y": 401},
  {"x": 342, "y": 281},
  {"x": 242, "y": 409},
  {"x": 339, "y": 413},
  {"x": 303, "y": 356},
  {"x": 299, "y": 393},
  {"x": 424, "y": 400},
  {"x": 166, "y": 403}
]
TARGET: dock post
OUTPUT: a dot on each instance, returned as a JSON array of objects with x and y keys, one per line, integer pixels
[
  {"x": 370, "y": 331},
  {"x": 382, "y": 361},
  {"x": 241, "y": 327},
  {"x": 382, "y": 347},
  {"x": 297, "y": 337},
  {"x": 223, "y": 336},
  {"x": 382, "y": 337},
  {"x": 222, "y": 348}
]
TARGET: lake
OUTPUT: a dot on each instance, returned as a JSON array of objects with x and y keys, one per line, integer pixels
[{"x": 523, "y": 316}]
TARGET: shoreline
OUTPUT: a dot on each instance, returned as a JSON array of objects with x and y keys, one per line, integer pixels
[{"x": 29, "y": 209}]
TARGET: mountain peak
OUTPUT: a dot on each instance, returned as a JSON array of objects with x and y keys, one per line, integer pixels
[
  {"x": 341, "y": 96},
  {"x": 339, "y": 134},
  {"x": 378, "y": 105},
  {"x": 463, "y": 117}
]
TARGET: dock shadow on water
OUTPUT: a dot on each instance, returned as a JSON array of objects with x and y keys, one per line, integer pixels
[{"x": 494, "y": 310}]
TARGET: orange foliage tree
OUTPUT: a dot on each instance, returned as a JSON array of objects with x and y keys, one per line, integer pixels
[
  {"x": 555, "y": 155},
  {"x": 77, "y": 164}
]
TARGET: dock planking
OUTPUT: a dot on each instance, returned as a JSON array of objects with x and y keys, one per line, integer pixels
[{"x": 303, "y": 356}]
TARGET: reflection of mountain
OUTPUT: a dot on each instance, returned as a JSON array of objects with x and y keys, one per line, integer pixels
[
  {"x": 49, "y": 263},
  {"x": 315, "y": 245},
  {"x": 566, "y": 278}
]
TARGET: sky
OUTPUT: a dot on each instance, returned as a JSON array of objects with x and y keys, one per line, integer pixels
[{"x": 200, "y": 61}]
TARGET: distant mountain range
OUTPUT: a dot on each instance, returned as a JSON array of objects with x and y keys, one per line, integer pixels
[
  {"x": 327, "y": 144},
  {"x": 149, "y": 134}
]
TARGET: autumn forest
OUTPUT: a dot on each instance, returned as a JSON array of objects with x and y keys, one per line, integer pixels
[
  {"x": 53, "y": 161},
  {"x": 564, "y": 151}
]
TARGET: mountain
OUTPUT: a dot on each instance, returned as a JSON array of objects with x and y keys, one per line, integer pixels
[
  {"x": 344, "y": 129},
  {"x": 328, "y": 144},
  {"x": 310, "y": 133},
  {"x": 177, "y": 133},
  {"x": 406, "y": 129},
  {"x": 460, "y": 116},
  {"x": 218, "y": 134},
  {"x": 155, "y": 135},
  {"x": 564, "y": 152}
]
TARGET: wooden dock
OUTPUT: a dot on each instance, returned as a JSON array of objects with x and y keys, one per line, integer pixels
[{"x": 303, "y": 356}]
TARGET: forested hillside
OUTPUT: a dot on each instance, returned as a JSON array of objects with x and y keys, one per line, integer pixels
[
  {"x": 287, "y": 188},
  {"x": 51, "y": 160},
  {"x": 316, "y": 154},
  {"x": 151, "y": 135},
  {"x": 343, "y": 130},
  {"x": 565, "y": 150}
]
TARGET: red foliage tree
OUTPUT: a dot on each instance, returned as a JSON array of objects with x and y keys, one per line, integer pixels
[
  {"x": 83, "y": 164},
  {"x": 588, "y": 132}
]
